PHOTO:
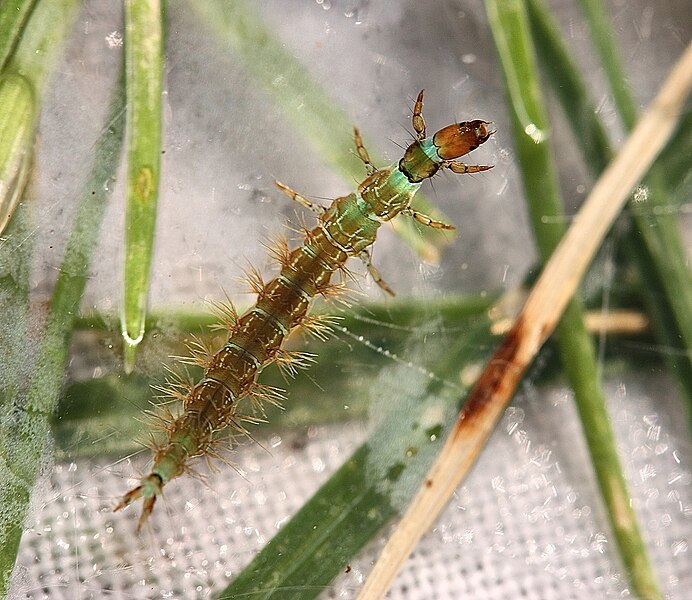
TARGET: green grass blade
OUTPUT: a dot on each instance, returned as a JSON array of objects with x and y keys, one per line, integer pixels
[
  {"x": 674, "y": 161},
  {"x": 45, "y": 31},
  {"x": 144, "y": 72},
  {"x": 451, "y": 309},
  {"x": 13, "y": 16},
  {"x": 41, "y": 36},
  {"x": 305, "y": 104},
  {"x": 664, "y": 267},
  {"x": 602, "y": 34},
  {"x": 15, "y": 250},
  {"x": 91, "y": 409},
  {"x": 17, "y": 125},
  {"x": 510, "y": 27},
  {"x": 27, "y": 52},
  {"x": 569, "y": 87},
  {"x": 26, "y": 436}
]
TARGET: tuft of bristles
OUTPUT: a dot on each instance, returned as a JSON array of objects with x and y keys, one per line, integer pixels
[
  {"x": 290, "y": 362},
  {"x": 279, "y": 250},
  {"x": 226, "y": 314},
  {"x": 254, "y": 280}
]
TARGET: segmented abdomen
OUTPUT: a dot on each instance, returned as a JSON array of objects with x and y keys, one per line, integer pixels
[{"x": 347, "y": 227}]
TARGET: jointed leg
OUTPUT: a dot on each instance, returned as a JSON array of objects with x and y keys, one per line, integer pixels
[
  {"x": 362, "y": 152},
  {"x": 418, "y": 120},
  {"x": 300, "y": 199},
  {"x": 364, "y": 255},
  {"x": 461, "y": 168},
  {"x": 426, "y": 220}
]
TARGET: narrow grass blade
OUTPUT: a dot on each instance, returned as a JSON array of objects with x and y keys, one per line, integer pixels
[
  {"x": 15, "y": 366},
  {"x": 17, "y": 125},
  {"x": 569, "y": 88},
  {"x": 543, "y": 309},
  {"x": 602, "y": 35},
  {"x": 144, "y": 72},
  {"x": 92, "y": 409},
  {"x": 27, "y": 52},
  {"x": 13, "y": 16},
  {"x": 660, "y": 259},
  {"x": 44, "y": 32},
  {"x": 305, "y": 103},
  {"x": 26, "y": 434},
  {"x": 675, "y": 160},
  {"x": 30, "y": 64}
]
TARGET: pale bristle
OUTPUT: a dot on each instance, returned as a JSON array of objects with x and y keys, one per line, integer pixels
[
  {"x": 226, "y": 313},
  {"x": 278, "y": 249},
  {"x": 254, "y": 280},
  {"x": 320, "y": 326},
  {"x": 261, "y": 393},
  {"x": 171, "y": 389},
  {"x": 289, "y": 362}
]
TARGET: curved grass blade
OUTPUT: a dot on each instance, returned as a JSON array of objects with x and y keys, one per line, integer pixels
[
  {"x": 26, "y": 435},
  {"x": 27, "y": 52},
  {"x": 602, "y": 34},
  {"x": 17, "y": 126},
  {"x": 44, "y": 32},
  {"x": 305, "y": 104},
  {"x": 15, "y": 248},
  {"x": 13, "y": 17},
  {"x": 568, "y": 86},
  {"x": 91, "y": 409},
  {"x": 26, "y": 405},
  {"x": 143, "y": 66}
]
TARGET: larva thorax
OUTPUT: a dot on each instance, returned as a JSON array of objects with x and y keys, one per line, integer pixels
[{"x": 346, "y": 228}]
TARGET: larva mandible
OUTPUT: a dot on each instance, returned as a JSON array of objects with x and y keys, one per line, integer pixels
[{"x": 346, "y": 228}]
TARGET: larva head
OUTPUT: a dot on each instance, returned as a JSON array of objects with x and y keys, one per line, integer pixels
[{"x": 461, "y": 138}]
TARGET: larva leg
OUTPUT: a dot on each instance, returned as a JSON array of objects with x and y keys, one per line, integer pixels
[
  {"x": 426, "y": 220},
  {"x": 461, "y": 168},
  {"x": 364, "y": 255},
  {"x": 300, "y": 199},
  {"x": 418, "y": 120},
  {"x": 362, "y": 152}
]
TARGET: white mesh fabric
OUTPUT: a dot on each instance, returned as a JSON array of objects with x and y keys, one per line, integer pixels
[{"x": 527, "y": 523}]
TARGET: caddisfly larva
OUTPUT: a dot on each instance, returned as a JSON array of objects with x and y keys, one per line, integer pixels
[{"x": 346, "y": 228}]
